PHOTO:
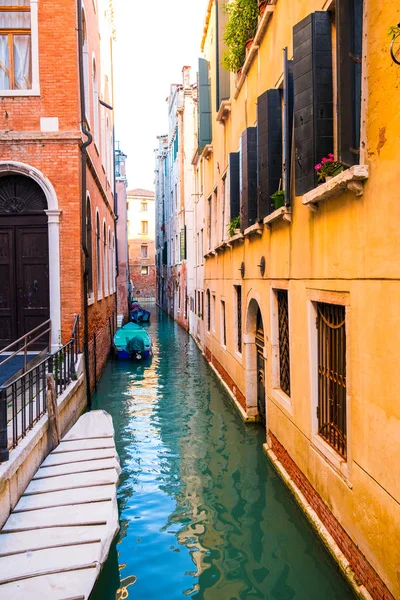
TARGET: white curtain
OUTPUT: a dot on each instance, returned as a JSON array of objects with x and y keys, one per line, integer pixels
[{"x": 21, "y": 45}]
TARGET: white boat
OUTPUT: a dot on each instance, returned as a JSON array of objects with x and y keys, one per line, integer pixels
[{"x": 57, "y": 538}]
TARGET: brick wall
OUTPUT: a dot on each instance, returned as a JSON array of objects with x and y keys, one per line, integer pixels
[
  {"x": 366, "y": 575},
  {"x": 144, "y": 285}
]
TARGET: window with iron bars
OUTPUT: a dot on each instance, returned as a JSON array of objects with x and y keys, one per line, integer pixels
[
  {"x": 284, "y": 344},
  {"x": 208, "y": 310},
  {"x": 223, "y": 323},
  {"x": 238, "y": 289},
  {"x": 331, "y": 409}
]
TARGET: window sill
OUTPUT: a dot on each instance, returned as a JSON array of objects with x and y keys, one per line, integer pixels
[
  {"x": 224, "y": 111},
  {"x": 10, "y": 93},
  {"x": 90, "y": 300},
  {"x": 238, "y": 238},
  {"x": 283, "y": 399},
  {"x": 99, "y": 297},
  {"x": 349, "y": 180},
  {"x": 256, "y": 229},
  {"x": 283, "y": 213},
  {"x": 332, "y": 457}
]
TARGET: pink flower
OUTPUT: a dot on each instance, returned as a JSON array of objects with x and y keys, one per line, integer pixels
[
  {"x": 324, "y": 160},
  {"x": 331, "y": 156},
  {"x": 318, "y": 166}
]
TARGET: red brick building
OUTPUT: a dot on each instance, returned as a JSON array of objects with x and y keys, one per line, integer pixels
[
  {"x": 141, "y": 238},
  {"x": 56, "y": 171}
]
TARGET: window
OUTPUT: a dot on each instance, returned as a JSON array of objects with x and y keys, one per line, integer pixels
[
  {"x": 209, "y": 212},
  {"x": 202, "y": 305},
  {"x": 85, "y": 52},
  {"x": 223, "y": 324},
  {"x": 208, "y": 310},
  {"x": 144, "y": 270},
  {"x": 16, "y": 44},
  {"x": 275, "y": 118},
  {"x": 114, "y": 269},
  {"x": 98, "y": 258},
  {"x": 95, "y": 99},
  {"x": 111, "y": 263},
  {"x": 144, "y": 251},
  {"x": 331, "y": 408},
  {"x": 89, "y": 248},
  {"x": 143, "y": 206},
  {"x": 284, "y": 345},
  {"x": 145, "y": 228},
  {"x": 105, "y": 260},
  {"x": 213, "y": 312},
  {"x": 238, "y": 291}
]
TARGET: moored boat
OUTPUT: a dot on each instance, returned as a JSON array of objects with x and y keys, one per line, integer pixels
[
  {"x": 132, "y": 341},
  {"x": 138, "y": 314}
]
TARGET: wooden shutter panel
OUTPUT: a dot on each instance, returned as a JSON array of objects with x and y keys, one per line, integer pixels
[
  {"x": 204, "y": 106},
  {"x": 349, "y": 15},
  {"x": 234, "y": 192},
  {"x": 248, "y": 195},
  {"x": 269, "y": 144},
  {"x": 288, "y": 99},
  {"x": 222, "y": 75},
  {"x": 313, "y": 96}
]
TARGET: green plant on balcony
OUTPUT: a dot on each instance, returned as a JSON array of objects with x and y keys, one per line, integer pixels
[
  {"x": 278, "y": 199},
  {"x": 241, "y": 27},
  {"x": 233, "y": 225}
]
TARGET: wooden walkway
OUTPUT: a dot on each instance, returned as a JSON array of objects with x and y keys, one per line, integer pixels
[{"x": 59, "y": 534}]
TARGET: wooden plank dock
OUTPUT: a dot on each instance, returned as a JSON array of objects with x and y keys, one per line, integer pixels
[{"x": 59, "y": 534}]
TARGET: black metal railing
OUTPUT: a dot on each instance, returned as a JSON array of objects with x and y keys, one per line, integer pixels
[{"x": 24, "y": 401}]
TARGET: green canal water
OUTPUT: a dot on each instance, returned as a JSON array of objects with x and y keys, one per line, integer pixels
[{"x": 203, "y": 514}]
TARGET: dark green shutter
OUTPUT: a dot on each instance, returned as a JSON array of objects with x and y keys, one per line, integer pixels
[
  {"x": 269, "y": 127},
  {"x": 349, "y": 15},
  {"x": 222, "y": 75},
  {"x": 313, "y": 96},
  {"x": 288, "y": 98},
  {"x": 204, "y": 105},
  {"x": 183, "y": 243},
  {"x": 165, "y": 254},
  {"x": 248, "y": 195},
  {"x": 234, "y": 191}
]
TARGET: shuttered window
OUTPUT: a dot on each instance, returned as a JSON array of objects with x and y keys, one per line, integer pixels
[
  {"x": 313, "y": 96},
  {"x": 234, "y": 188},
  {"x": 274, "y": 141},
  {"x": 204, "y": 105},
  {"x": 248, "y": 188},
  {"x": 349, "y": 15}
]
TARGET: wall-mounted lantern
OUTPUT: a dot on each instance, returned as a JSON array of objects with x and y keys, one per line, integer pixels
[
  {"x": 242, "y": 269},
  {"x": 262, "y": 266},
  {"x": 394, "y": 33}
]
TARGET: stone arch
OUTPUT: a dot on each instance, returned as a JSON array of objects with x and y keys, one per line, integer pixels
[
  {"x": 53, "y": 220},
  {"x": 253, "y": 313}
]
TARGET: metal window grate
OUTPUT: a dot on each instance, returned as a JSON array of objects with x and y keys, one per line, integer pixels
[
  {"x": 208, "y": 311},
  {"x": 239, "y": 316},
  {"x": 223, "y": 322},
  {"x": 284, "y": 345},
  {"x": 331, "y": 411}
]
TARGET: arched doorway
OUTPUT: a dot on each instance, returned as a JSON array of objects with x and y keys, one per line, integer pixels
[
  {"x": 254, "y": 341},
  {"x": 24, "y": 257}
]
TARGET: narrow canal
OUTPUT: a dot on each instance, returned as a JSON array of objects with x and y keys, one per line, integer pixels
[{"x": 203, "y": 513}]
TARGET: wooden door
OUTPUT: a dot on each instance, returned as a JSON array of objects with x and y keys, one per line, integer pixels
[
  {"x": 8, "y": 316},
  {"x": 24, "y": 276}
]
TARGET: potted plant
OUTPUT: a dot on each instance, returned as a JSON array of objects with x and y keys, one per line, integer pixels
[
  {"x": 278, "y": 198},
  {"x": 328, "y": 168},
  {"x": 240, "y": 28},
  {"x": 262, "y": 5},
  {"x": 234, "y": 226}
]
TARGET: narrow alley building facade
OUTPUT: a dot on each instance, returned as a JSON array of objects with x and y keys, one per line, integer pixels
[
  {"x": 141, "y": 241},
  {"x": 56, "y": 172}
]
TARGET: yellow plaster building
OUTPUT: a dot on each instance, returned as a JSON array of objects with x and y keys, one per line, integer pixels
[{"x": 301, "y": 304}]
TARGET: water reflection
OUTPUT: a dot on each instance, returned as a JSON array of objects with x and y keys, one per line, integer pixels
[{"x": 202, "y": 512}]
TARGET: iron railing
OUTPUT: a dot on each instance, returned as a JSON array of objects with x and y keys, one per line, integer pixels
[
  {"x": 24, "y": 401},
  {"x": 331, "y": 410},
  {"x": 22, "y": 344}
]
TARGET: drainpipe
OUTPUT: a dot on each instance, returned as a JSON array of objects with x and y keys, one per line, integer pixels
[{"x": 84, "y": 146}]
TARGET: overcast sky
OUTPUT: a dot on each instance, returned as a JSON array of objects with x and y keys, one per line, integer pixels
[{"x": 155, "y": 39}]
